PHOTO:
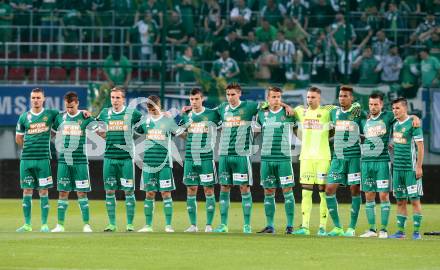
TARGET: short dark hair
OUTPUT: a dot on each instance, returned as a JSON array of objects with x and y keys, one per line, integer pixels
[
  {"x": 281, "y": 32},
  {"x": 346, "y": 88},
  {"x": 274, "y": 89},
  {"x": 401, "y": 100},
  {"x": 71, "y": 97},
  {"x": 153, "y": 101},
  {"x": 37, "y": 90},
  {"x": 314, "y": 89},
  {"x": 196, "y": 91},
  {"x": 377, "y": 95},
  {"x": 234, "y": 85},
  {"x": 118, "y": 89}
]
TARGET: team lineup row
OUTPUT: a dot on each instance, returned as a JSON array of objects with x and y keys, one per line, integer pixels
[{"x": 357, "y": 137}]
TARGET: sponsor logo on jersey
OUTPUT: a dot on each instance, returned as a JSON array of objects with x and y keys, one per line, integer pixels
[
  {"x": 376, "y": 130},
  {"x": 344, "y": 125},
  {"x": 36, "y": 128},
  {"x": 199, "y": 127},
  {"x": 312, "y": 124},
  {"x": 234, "y": 121},
  {"x": 399, "y": 138},
  {"x": 155, "y": 135},
  {"x": 117, "y": 125},
  {"x": 71, "y": 129}
]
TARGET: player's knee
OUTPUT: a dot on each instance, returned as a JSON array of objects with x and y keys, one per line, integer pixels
[
  {"x": 166, "y": 194},
  {"x": 225, "y": 188},
  {"x": 191, "y": 191},
  {"x": 355, "y": 190},
  {"x": 28, "y": 191},
  {"x": 401, "y": 203},
  {"x": 43, "y": 192},
  {"x": 110, "y": 192},
  {"x": 321, "y": 188},
  {"x": 269, "y": 191},
  {"x": 371, "y": 196},
  {"x": 129, "y": 193},
  {"x": 209, "y": 191},
  {"x": 287, "y": 190},
  {"x": 150, "y": 195},
  {"x": 384, "y": 197},
  {"x": 64, "y": 195},
  {"x": 245, "y": 188},
  {"x": 307, "y": 187},
  {"x": 330, "y": 189},
  {"x": 81, "y": 195}
]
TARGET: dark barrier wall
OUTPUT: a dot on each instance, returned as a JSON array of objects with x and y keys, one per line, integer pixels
[{"x": 10, "y": 184}]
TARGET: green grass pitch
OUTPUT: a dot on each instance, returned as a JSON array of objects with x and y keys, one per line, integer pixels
[{"x": 76, "y": 250}]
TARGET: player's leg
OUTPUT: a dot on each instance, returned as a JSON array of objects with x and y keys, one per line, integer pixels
[
  {"x": 191, "y": 180},
  {"x": 166, "y": 185},
  {"x": 354, "y": 181},
  {"x": 63, "y": 203},
  {"x": 417, "y": 217},
  {"x": 368, "y": 186},
  {"x": 28, "y": 182},
  {"x": 401, "y": 194},
  {"x": 268, "y": 181},
  {"x": 384, "y": 188},
  {"x": 44, "y": 175},
  {"x": 208, "y": 178},
  {"x": 225, "y": 179},
  {"x": 335, "y": 178},
  {"x": 149, "y": 184},
  {"x": 307, "y": 180},
  {"x": 127, "y": 185},
  {"x": 415, "y": 191},
  {"x": 322, "y": 169},
  {"x": 110, "y": 172},
  {"x": 242, "y": 176},
  {"x": 286, "y": 181},
  {"x": 82, "y": 187}
]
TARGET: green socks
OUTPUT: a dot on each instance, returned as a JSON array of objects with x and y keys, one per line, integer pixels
[
  {"x": 130, "y": 205},
  {"x": 289, "y": 207},
  {"x": 269, "y": 209},
  {"x": 370, "y": 210},
  {"x": 44, "y": 203},
  {"x": 210, "y": 209},
  {"x": 332, "y": 205},
  {"x": 306, "y": 207},
  {"x": 323, "y": 210},
  {"x": 27, "y": 208},
  {"x": 191, "y": 206},
  {"x": 110, "y": 203},
  {"x": 225, "y": 198},
  {"x": 354, "y": 213},
  {"x": 401, "y": 222},
  {"x": 84, "y": 207},
  {"x": 168, "y": 210},
  {"x": 384, "y": 214},
  {"x": 149, "y": 211},
  {"x": 417, "y": 218},
  {"x": 246, "y": 204},
  {"x": 62, "y": 208}
]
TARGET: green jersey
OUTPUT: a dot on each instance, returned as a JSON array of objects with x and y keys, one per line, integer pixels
[
  {"x": 71, "y": 137},
  {"x": 404, "y": 138},
  {"x": 36, "y": 129},
  {"x": 409, "y": 70},
  {"x": 377, "y": 132},
  {"x": 314, "y": 126},
  {"x": 347, "y": 132},
  {"x": 367, "y": 73},
  {"x": 202, "y": 129},
  {"x": 236, "y": 136},
  {"x": 158, "y": 134},
  {"x": 186, "y": 73},
  {"x": 277, "y": 135},
  {"x": 119, "y": 138},
  {"x": 430, "y": 69}
]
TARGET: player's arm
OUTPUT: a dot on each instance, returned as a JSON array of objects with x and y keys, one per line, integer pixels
[
  {"x": 20, "y": 130},
  {"x": 420, "y": 155}
]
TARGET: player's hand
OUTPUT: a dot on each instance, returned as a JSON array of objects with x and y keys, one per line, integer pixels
[
  {"x": 87, "y": 114},
  {"x": 356, "y": 110},
  {"x": 390, "y": 147},
  {"x": 419, "y": 172},
  {"x": 289, "y": 111},
  {"x": 186, "y": 109},
  {"x": 416, "y": 121}
]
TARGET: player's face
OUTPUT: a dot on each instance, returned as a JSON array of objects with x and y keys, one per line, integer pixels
[
  {"x": 37, "y": 100},
  {"x": 117, "y": 99},
  {"x": 399, "y": 110},
  {"x": 274, "y": 99},
  {"x": 71, "y": 107},
  {"x": 375, "y": 105},
  {"x": 233, "y": 96},
  {"x": 153, "y": 110},
  {"x": 313, "y": 99},
  {"x": 345, "y": 98},
  {"x": 196, "y": 101}
]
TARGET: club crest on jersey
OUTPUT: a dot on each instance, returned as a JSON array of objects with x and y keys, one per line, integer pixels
[
  {"x": 45, "y": 118},
  {"x": 79, "y": 122},
  {"x": 283, "y": 118},
  {"x": 403, "y": 130},
  {"x": 125, "y": 117},
  {"x": 318, "y": 115},
  {"x": 266, "y": 114}
]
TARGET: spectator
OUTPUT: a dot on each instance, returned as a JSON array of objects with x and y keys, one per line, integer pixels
[
  {"x": 285, "y": 52},
  {"x": 187, "y": 12},
  {"x": 319, "y": 71},
  {"x": 176, "y": 33},
  {"x": 124, "y": 12},
  {"x": 340, "y": 28},
  {"x": 154, "y": 8},
  {"x": 6, "y": 17},
  {"x": 147, "y": 34},
  {"x": 381, "y": 44},
  {"x": 266, "y": 32},
  {"x": 70, "y": 22},
  {"x": 364, "y": 5},
  {"x": 273, "y": 13},
  {"x": 298, "y": 11},
  {"x": 394, "y": 21},
  {"x": 430, "y": 67},
  {"x": 322, "y": 14},
  {"x": 411, "y": 8},
  {"x": 49, "y": 19},
  {"x": 433, "y": 42},
  {"x": 265, "y": 63},
  {"x": 294, "y": 32},
  {"x": 117, "y": 69},
  {"x": 214, "y": 23},
  {"x": 368, "y": 67},
  {"x": 185, "y": 66},
  {"x": 197, "y": 49},
  {"x": 352, "y": 55},
  {"x": 241, "y": 18},
  {"x": 251, "y": 47},
  {"x": 423, "y": 27},
  {"x": 22, "y": 16},
  {"x": 225, "y": 67},
  {"x": 409, "y": 75},
  {"x": 232, "y": 45},
  {"x": 390, "y": 65}
]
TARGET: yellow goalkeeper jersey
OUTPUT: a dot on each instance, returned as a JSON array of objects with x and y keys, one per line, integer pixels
[{"x": 314, "y": 126}]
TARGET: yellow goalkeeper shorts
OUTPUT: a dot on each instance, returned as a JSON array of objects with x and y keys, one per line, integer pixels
[{"x": 314, "y": 171}]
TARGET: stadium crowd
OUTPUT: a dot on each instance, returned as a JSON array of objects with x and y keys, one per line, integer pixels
[{"x": 246, "y": 40}]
